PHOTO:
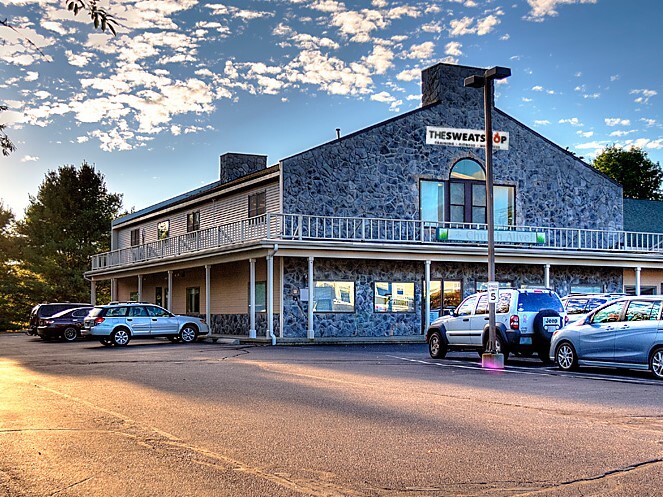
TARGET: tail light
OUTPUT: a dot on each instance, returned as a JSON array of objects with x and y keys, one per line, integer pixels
[
  {"x": 514, "y": 322},
  {"x": 98, "y": 320},
  {"x": 49, "y": 321}
]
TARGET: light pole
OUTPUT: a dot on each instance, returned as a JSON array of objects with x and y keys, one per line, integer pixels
[{"x": 491, "y": 358}]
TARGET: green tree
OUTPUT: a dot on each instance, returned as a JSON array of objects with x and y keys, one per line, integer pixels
[
  {"x": 67, "y": 222},
  {"x": 19, "y": 288},
  {"x": 638, "y": 174}
]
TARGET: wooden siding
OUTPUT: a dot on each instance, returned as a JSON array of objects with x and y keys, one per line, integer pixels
[
  {"x": 229, "y": 286},
  {"x": 224, "y": 210}
]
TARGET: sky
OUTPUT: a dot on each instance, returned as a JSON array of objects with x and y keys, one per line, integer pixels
[{"x": 185, "y": 81}]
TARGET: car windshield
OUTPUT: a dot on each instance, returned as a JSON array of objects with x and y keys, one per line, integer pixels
[
  {"x": 576, "y": 306},
  {"x": 534, "y": 302}
]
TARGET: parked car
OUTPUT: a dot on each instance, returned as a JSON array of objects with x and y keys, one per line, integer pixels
[
  {"x": 525, "y": 320},
  {"x": 578, "y": 306},
  {"x": 118, "y": 323},
  {"x": 625, "y": 333},
  {"x": 65, "y": 324},
  {"x": 42, "y": 311}
]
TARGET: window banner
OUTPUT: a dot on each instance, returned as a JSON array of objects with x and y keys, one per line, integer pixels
[{"x": 461, "y": 235}]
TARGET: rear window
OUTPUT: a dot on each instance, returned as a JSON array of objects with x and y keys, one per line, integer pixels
[
  {"x": 95, "y": 312},
  {"x": 534, "y": 302},
  {"x": 576, "y": 306}
]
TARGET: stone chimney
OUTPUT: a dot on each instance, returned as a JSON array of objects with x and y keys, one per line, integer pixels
[
  {"x": 444, "y": 83},
  {"x": 233, "y": 166}
]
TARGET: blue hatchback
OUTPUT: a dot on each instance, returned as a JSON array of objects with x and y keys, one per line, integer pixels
[{"x": 625, "y": 333}]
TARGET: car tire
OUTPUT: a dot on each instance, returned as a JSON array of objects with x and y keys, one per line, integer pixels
[
  {"x": 656, "y": 363},
  {"x": 188, "y": 333},
  {"x": 120, "y": 337},
  {"x": 437, "y": 348},
  {"x": 69, "y": 334},
  {"x": 105, "y": 342},
  {"x": 566, "y": 357}
]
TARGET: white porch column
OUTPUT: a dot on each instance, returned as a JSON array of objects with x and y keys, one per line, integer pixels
[
  {"x": 170, "y": 291},
  {"x": 113, "y": 289},
  {"x": 140, "y": 288},
  {"x": 311, "y": 288},
  {"x": 546, "y": 275},
  {"x": 427, "y": 302},
  {"x": 208, "y": 295},
  {"x": 252, "y": 298},
  {"x": 637, "y": 280},
  {"x": 270, "y": 297},
  {"x": 93, "y": 292}
]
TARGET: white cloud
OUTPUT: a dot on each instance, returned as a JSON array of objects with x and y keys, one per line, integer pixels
[
  {"x": 648, "y": 122},
  {"x": 573, "y": 121},
  {"x": 645, "y": 95},
  {"x": 615, "y": 121},
  {"x": 585, "y": 134},
  {"x": 29, "y": 158},
  {"x": 620, "y": 132},
  {"x": 380, "y": 60},
  {"x": 453, "y": 48},
  {"x": 383, "y": 96},
  {"x": 31, "y": 76},
  {"x": 542, "y": 122},
  {"x": 421, "y": 51},
  {"x": 543, "y": 8},
  {"x": 646, "y": 143},
  {"x": 409, "y": 75},
  {"x": 614, "y": 77}
]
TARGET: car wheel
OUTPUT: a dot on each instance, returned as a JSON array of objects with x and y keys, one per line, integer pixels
[
  {"x": 120, "y": 337},
  {"x": 566, "y": 357},
  {"x": 656, "y": 363},
  {"x": 70, "y": 334},
  {"x": 188, "y": 334},
  {"x": 105, "y": 342},
  {"x": 436, "y": 346}
]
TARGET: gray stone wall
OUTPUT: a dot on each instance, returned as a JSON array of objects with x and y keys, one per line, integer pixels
[
  {"x": 376, "y": 172},
  {"x": 238, "y": 324},
  {"x": 364, "y": 322},
  {"x": 233, "y": 166}
]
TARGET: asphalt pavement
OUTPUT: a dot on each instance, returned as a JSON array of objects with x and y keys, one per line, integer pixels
[{"x": 162, "y": 419}]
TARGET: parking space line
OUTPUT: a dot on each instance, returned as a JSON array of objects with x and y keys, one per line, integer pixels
[{"x": 527, "y": 371}]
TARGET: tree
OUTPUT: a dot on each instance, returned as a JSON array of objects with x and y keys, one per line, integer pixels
[
  {"x": 638, "y": 174},
  {"x": 64, "y": 225},
  {"x": 19, "y": 288}
]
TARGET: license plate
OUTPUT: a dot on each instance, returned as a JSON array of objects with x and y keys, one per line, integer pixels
[{"x": 525, "y": 340}]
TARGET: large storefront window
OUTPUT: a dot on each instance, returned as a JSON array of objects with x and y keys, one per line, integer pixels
[
  {"x": 462, "y": 199},
  {"x": 261, "y": 296},
  {"x": 444, "y": 296},
  {"x": 334, "y": 296},
  {"x": 393, "y": 297}
]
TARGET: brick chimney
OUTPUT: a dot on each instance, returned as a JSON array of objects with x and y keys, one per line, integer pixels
[
  {"x": 444, "y": 83},
  {"x": 233, "y": 166}
]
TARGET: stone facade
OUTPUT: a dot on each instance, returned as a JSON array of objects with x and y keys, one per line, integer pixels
[
  {"x": 233, "y": 166},
  {"x": 238, "y": 324},
  {"x": 364, "y": 322},
  {"x": 376, "y": 172}
]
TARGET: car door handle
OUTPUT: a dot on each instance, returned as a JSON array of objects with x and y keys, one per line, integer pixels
[
  {"x": 466, "y": 319},
  {"x": 129, "y": 319},
  {"x": 154, "y": 319},
  {"x": 486, "y": 319}
]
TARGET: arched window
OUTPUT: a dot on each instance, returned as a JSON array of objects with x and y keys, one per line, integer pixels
[{"x": 462, "y": 199}]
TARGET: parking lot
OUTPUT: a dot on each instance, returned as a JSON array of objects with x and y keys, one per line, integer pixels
[{"x": 156, "y": 418}]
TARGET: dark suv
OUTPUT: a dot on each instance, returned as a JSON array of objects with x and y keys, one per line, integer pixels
[{"x": 43, "y": 311}]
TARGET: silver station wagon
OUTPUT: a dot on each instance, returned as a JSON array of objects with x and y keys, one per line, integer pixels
[
  {"x": 118, "y": 323},
  {"x": 625, "y": 333}
]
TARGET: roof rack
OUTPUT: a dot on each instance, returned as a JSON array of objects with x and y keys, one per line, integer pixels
[{"x": 117, "y": 302}]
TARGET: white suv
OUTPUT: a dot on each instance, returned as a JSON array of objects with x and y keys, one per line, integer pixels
[{"x": 525, "y": 321}]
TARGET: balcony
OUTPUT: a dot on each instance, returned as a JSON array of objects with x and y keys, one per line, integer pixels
[{"x": 297, "y": 227}]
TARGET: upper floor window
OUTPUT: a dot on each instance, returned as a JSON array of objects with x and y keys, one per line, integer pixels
[
  {"x": 257, "y": 204},
  {"x": 193, "y": 221},
  {"x": 135, "y": 237},
  {"x": 462, "y": 199},
  {"x": 163, "y": 230}
]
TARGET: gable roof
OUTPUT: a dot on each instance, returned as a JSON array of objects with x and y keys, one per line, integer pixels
[{"x": 644, "y": 216}]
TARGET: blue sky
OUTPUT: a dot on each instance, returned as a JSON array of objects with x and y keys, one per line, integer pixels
[{"x": 185, "y": 81}]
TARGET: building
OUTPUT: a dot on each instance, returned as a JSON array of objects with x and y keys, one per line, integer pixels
[{"x": 365, "y": 223}]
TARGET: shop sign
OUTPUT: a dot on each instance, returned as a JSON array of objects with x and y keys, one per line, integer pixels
[
  {"x": 472, "y": 138},
  {"x": 461, "y": 235}
]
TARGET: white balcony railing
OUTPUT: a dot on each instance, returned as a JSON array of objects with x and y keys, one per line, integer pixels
[{"x": 274, "y": 226}]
